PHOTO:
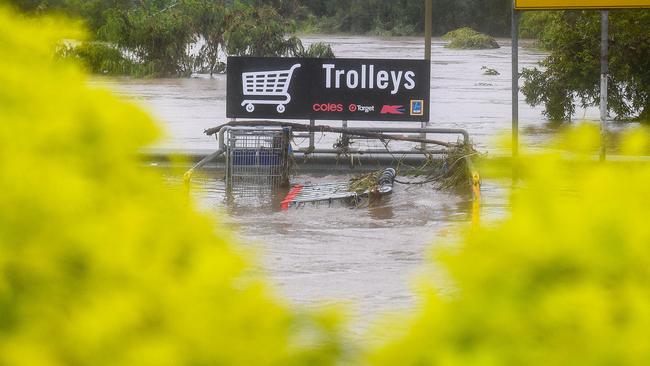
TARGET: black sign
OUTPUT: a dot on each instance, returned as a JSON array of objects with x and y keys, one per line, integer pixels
[{"x": 329, "y": 89}]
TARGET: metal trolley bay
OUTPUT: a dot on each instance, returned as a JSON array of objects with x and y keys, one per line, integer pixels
[{"x": 258, "y": 155}]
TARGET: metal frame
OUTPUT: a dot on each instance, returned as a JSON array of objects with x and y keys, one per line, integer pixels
[
  {"x": 515, "y": 80},
  {"x": 351, "y": 130},
  {"x": 221, "y": 139},
  {"x": 256, "y": 155}
]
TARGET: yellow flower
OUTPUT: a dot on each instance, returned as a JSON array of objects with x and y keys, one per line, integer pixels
[{"x": 100, "y": 264}]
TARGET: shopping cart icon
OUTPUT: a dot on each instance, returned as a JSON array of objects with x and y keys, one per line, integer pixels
[{"x": 267, "y": 84}]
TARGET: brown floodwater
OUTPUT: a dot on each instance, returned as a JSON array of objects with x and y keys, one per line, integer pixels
[{"x": 366, "y": 255}]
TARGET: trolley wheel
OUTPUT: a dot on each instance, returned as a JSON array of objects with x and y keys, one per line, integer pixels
[
  {"x": 280, "y": 108},
  {"x": 250, "y": 108}
]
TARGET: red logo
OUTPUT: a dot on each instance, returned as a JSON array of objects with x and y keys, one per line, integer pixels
[
  {"x": 327, "y": 107},
  {"x": 352, "y": 107},
  {"x": 393, "y": 109}
]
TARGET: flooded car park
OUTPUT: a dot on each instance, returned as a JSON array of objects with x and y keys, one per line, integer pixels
[{"x": 363, "y": 255}]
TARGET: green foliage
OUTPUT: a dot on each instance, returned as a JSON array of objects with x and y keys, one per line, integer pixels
[
  {"x": 291, "y": 9},
  {"x": 377, "y": 17},
  {"x": 101, "y": 263},
  {"x": 490, "y": 71},
  {"x": 256, "y": 31},
  {"x": 536, "y": 24},
  {"x": 563, "y": 280},
  {"x": 571, "y": 73},
  {"x": 99, "y": 57},
  {"x": 316, "y": 50},
  {"x": 156, "y": 32},
  {"x": 469, "y": 39},
  {"x": 319, "y": 25},
  {"x": 260, "y": 31},
  {"x": 178, "y": 37},
  {"x": 405, "y": 17},
  {"x": 93, "y": 12},
  {"x": 392, "y": 29},
  {"x": 208, "y": 19}
]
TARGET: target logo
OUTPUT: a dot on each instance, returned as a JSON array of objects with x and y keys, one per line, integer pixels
[{"x": 361, "y": 108}]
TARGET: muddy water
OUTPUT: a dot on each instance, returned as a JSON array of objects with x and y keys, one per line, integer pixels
[
  {"x": 366, "y": 256},
  {"x": 363, "y": 256}
]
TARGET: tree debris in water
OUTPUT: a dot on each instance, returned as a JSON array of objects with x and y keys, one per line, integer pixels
[
  {"x": 368, "y": 182},
  {"x": 490, "y": 71},
  {"x": 453, "y": 171}
]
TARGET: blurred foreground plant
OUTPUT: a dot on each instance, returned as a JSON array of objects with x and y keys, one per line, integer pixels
[
  {"x": 564, "y": 280},
  {"x": 100, "y": 264}
]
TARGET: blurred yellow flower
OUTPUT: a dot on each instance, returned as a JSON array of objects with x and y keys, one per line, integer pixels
[
  {"x": 100, "y": 264},
  {"x": 564, "y": 280}
]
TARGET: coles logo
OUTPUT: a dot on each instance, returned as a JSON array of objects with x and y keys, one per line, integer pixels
[
  {"x": 393, "y": 109},
  {"x": 327, "y": 107},
  {"x": 361, "y": 108}
]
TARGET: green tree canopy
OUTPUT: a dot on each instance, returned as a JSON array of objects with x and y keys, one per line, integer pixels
[
  {"x": 572, "y": 71},
  {"x": 406, "y": 17},
  {"x": 176, "y": 37}
]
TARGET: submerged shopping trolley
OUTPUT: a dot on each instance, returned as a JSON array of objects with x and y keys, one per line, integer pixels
[
  {"x": 267, "y": 84},
  {"x": 258, "y": 156}
]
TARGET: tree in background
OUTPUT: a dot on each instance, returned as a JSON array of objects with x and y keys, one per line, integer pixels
[
  {"x": 158, "y": 33},
  {"x": 406, "y": 17},
  {"x": 396, "y": 17},
  {"x": 535, "y": 24},
  {"x": 256, "y": 31},
  {"x": 157, "y": 36},
  {"x": 93, "y": 12},
  {"x": 177, "y": 37},
  {"x": 572, "y": 71},
  {"x": 209, "y": 24}
]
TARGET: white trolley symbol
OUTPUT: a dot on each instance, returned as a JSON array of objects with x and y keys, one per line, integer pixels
[{"x": 267, "y": 84}]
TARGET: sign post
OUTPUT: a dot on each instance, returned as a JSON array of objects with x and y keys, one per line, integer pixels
[
  {"x": 515, "y": 81},
  {"x": 328, "y": 89},
  {"x": 428, "y": 28},
  {"x": 428, "y": 33},
  {"x": 580, "y": 4},
  {"x": 604, "y": 71}
]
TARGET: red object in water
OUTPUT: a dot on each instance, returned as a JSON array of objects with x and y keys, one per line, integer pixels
[{"x": 295, "y": 190}]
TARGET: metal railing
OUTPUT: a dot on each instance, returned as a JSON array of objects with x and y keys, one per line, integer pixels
[
  {"x": 420, "y": 132},
  {"x": 312, "y": 149}
]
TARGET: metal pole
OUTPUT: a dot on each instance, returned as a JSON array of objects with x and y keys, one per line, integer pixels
[
  {"x": 344, "y": 136},
  {"x": 604, "y": 71},
  {"x": 515, "y": 81},
  {"x": 428, "y": 25},
  {"x": 428, "y": 33},
  {"x": 312, "y": 139}
]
